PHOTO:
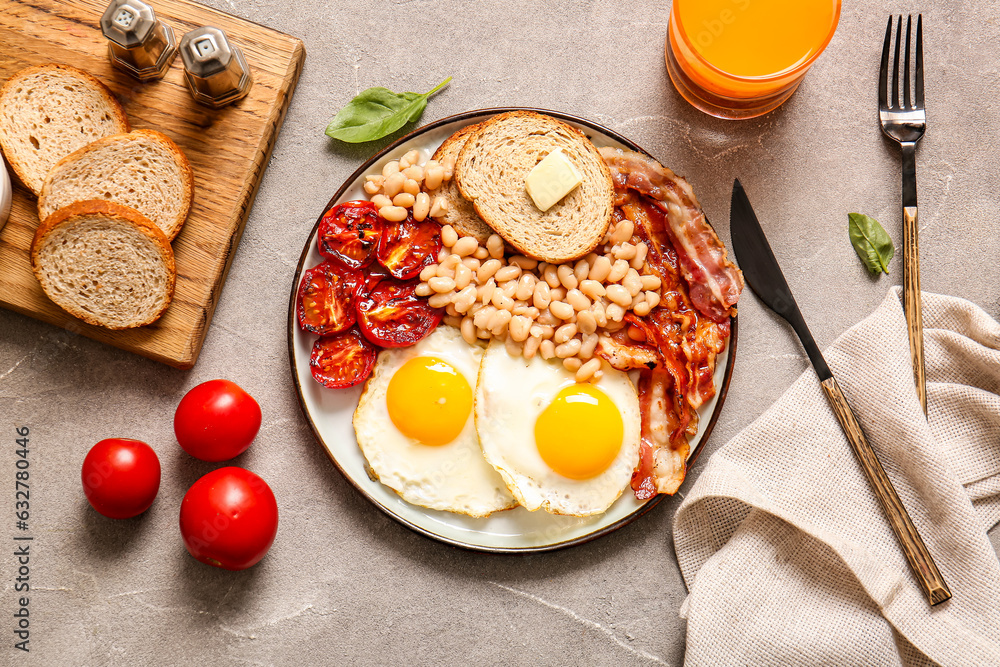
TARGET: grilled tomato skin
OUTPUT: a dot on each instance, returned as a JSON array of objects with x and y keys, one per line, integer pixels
[
  {"x": 350, "y": 233},
  {"x": 407, "y": 247},
  {"x": 342, "y": 360},
  {"x": 326, "y": 298},
  {"x": 392, "y": 315}
]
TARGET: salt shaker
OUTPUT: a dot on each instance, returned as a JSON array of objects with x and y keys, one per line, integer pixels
[
  {"x": 214, "y": 68},
  {"x": 138, "y": 43}
]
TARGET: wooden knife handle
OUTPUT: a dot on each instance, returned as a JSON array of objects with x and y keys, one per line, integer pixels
[
  {"x": 924, "y": 569},
  {"x": 911, "y": 301}
]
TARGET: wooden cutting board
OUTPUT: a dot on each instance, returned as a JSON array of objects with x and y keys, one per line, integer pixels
[{"x": 228, "y": 149}]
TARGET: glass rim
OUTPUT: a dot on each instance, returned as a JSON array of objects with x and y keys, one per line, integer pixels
[{"x": 801, "y": 65}]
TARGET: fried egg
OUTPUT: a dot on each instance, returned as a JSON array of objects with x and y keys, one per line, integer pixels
[
  {"x": 562, "y": 446},
  {"x": 414, "y": 424}
]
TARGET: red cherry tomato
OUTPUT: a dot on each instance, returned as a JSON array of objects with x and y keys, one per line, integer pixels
[
  {"x": 349, "y": 232},
  {"x": 326, "y": 298},
  {"x": 342, "y": 360},
  {"x": 392, "y": 315},
  {"x": 216, "y": 421},
  {"x": 229, "y": 518},
  {"x": 121, "y": 477},
  {"x": 408, "y": 246}
]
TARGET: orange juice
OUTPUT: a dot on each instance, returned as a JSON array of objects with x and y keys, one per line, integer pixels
[{"x": 742, "y": 58}]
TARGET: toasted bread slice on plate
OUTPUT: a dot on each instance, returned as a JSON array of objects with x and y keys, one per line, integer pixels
[
  {"x": 104, "y": 263},
  {"x": 460, "y": 214},
  {"x": 49, "y": 111},
  {"x": 491, "y": 171},
  {"x": 142, "y": 169}
]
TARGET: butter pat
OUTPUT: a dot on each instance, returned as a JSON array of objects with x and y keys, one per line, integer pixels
[{"x": 552, "y": 179}]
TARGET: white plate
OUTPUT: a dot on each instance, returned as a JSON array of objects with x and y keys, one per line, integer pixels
[{"x": 329, "y": 411}]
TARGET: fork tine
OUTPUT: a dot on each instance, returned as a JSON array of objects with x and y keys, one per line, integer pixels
[
  {"x": 894, "y": 103},
  {"x": 919, "y": 89},
  {"x": 883, "y": 72},
  {"x": 906, "y": 67}
]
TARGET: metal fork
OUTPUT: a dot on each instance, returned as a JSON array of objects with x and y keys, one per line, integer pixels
[{"x": 905, "y": 123}]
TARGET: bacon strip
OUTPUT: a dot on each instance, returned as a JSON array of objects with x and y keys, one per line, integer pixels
[
  {"x": 713, "y": 281},
  {"x": 663, "y": 448}
]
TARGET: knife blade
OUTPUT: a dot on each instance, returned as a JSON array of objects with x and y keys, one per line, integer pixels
[{"x": 764, "y": 276}]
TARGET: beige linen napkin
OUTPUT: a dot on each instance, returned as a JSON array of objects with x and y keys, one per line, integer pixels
[{"x": 784, "y": 548}]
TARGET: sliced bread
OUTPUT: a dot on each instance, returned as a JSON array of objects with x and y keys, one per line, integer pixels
[
  {"x": 491, "y": 172},
  {"x": 105, "y": 264},
  {"x": 49, "y": 111},
  {"x": 460, "y": 214},
  {"x": 142, "y": 169}
]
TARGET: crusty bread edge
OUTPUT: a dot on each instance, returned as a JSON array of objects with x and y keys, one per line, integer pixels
[
  {"x": 113, "y": 102},
  {"x": 172, "y": 148},
  {"x": 484, "y": 126},
  {"x": 111, "y": 210},
  {"x": 466, "y": 226}
]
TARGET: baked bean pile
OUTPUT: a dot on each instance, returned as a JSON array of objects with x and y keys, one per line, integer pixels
[
  {"x": 403, "y": 184},
  {"x": 553, "y": 310}
]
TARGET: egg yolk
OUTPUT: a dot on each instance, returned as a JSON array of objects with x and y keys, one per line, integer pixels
[
  {"x": 580, "y": 433},
  {"x": 429, "y": 400}
]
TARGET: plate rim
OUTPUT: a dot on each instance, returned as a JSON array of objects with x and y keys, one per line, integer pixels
[{"x": 646, "y": 507}]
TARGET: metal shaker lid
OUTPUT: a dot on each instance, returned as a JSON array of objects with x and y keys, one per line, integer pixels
[
  {"x": 206, "y": 51},
  {"x": 128, "y": 23}
]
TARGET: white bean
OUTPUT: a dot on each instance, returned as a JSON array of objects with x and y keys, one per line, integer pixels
[
  {"x": 498, "y": 323},
  {"x": 508, "y": 273},
  {"x": 488, "y": 269},
  {"x": 441, "y": 285},
  {"x": 525, "y": 263},
  {"x": 463, "y": 276},
  {"x": 404, "y": 199},
  {"x": 564, "y": 333},
  {"x": 519, "y": 328},
  {"x": 531, "y": 347},
  {"x": 600, "y": 269},
  {"x": 623, "y": 231},
  {"x": 410, "y": 186},
  {"x": 393, "y": 213},
  {"x": 650, "y": 283},
  {"x": 433, "y": 176},
  {"x": 390, "y": 168},
  {"x": 619, "y": 295},
  {"x": 547, "y": 349},
  {"x": 561, "y": 309},
  {"x": 525, "y": 287},
  {"x": 468, "y": 330},
  {"x": 616, "y": 312},
  {"x": 569, "y": 348},
  {"x": 494, "y": 244},
  {"x": 465, "y": 298},
  {"x": 586, "y": 321},
  {"x": 502, "y": 301},
  {"x": 566, "y": 277},
  {"x": 381, "y": 201},
  {"x": 641, "y": 250},
  {"x": 421, "y": 207},
  {"x": 393, "y": 184},
  {"x": 624, "y": 251},
  {"x": 448, "y": 235},
  {"x": 472, "y": 263},
  {"x": 486, "y": 291},
  {"x": 423, "y": 289},
  {"x": 551, "y": 276},
  {"x": 483, "y": 316},
  {"x": 587, "y": 370},
  {"x": 589, "y": 345},
  {"x": 618, "y": 271},
  {"x": 642, "y": 309},
  {"x": 438, "y": 207},
  {"x": 542, "y": 331},
  {"x": 653, "y": 299},
  {"x": 440, "y": 300},
  {"x": 514, "y": 348},
  {"x": 576, "y": 299},
  {"x": 428, "y": 272},
  {"x": 541, "y": 297},
  {"x": 632, "y": 282},
  {"x": 414, "y": 173},
  {"x": 481, "y": 253},
  {"x": 572, "y": 364},
  {"x": 372, "y": 188},
  {"x": 465, "y": 246},
  {"x": 581, "y": 271}
]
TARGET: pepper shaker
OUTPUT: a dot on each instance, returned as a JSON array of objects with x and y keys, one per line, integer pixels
[
  {"x": 215, "y": 70},
  {"x": 138, "y": 43}
]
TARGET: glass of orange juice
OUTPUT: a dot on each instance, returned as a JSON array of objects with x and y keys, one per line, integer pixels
[{"x": 743, "y": 58}]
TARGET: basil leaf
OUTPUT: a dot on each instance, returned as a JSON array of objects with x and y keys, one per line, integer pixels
[
  {"x": 378, "y": 112},
  {"x": 871, "y": 242}
]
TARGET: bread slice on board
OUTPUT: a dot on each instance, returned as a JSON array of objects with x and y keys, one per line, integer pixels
[
  {"x": 49, "y": 111},
  {"x": 491, "y": 170},
  {"x": 142, "y": 169},
  {"x": 105, "y": 264},
  {"x": 460, "y": 214}
]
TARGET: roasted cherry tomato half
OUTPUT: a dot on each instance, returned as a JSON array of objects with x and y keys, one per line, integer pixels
[
  {"x": 326, "y": 298},
  {"x": 374, "y": 274},
  {"x": 342, "y": 360},
  {"x": 121, "y": 477},
  {"x": 349, "y": 232},
  {"x": 229, "y": 518},
  {"x": 216, "y": 421},
  {"x": 392, "y": 315},
  {"x": 408, "y": 246}
]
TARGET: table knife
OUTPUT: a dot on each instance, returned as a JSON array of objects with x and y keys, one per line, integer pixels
[{"x": 764, "y": 276}]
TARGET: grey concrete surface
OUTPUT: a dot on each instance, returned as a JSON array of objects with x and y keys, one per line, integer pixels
[{"x": 343, "y": 583}]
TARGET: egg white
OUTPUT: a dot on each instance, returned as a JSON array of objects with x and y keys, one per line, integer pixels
[
  {"x": 453, "y": 477},
  {"x": 510, "y": 395}
]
